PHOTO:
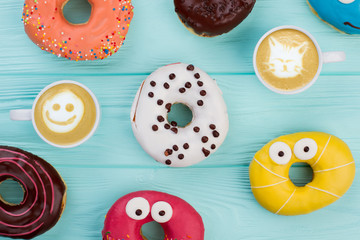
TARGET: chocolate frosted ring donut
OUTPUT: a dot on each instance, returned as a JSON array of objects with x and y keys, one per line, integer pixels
[
  {"x": 167, "y": 142},
  {"x": 44, "y": 194}
]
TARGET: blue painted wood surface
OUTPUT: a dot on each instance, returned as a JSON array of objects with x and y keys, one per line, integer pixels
[{"x": 112, "y": 163}]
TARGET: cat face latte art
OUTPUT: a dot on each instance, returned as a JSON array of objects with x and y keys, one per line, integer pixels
[{"x": 287, "y": 59}]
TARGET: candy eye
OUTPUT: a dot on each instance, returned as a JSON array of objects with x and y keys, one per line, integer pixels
[
  {"x": 56, "y": 107},
  {"x": 161, "y": 212},
  {"x": 305, "y": 149},
  {"x": 280, "y": 153},
  {"x": 69, "y": 107},
  {"x": 346, "y": 1},
  {"x": 138, "y": 208}
]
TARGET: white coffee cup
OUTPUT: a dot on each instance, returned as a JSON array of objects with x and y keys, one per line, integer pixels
[
  {"x": 324, "y": 57},
  {"x": 28, "y": 114}
]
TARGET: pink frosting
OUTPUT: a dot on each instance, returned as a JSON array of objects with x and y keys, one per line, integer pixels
[{"x": 185, "y": 223}]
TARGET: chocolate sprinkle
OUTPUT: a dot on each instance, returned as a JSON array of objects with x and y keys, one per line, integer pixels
[
  {"x": 160, "y": 118},
  {"x": 190, "y": 67},
  {"x": 168, "y": 107},
  {"x": 186, "y": 146},
  {"x": 206, "y": 152},
  {"x": 155, "y": 128},
  {"x": 202, "y": 92},
  {"x": 197, "y": 75},
  {"x": 160, "y": 102},
  {"x": 166, "y": 85},
  {"x": 173, "y": 123},
  {"x": 153, "y": 84},
  {"x": 216, "y": 134},
  {"x": 196, "y": 129},
  {"x": 175, "y": 130},
  {"x": 167, "y": 126},
  {"x": 182, "y": 90},
  {"x": 138, "y": 212},
  {"x": 168, "y": 152},
  {"x": 181, "y": 156},
  {"x": 213, "y": 146},
  {"x": 162, "y": 213},
  {"x": 200, "y": 102},
  {"x": 151, "y": 94},
  {"x": 204, "y": 139},
  {"x": 172, "y": 76},
  {"x": 281, "y": 154},
  {"x": 212, "y": 126},
  {"x": 175, "y": 147},
  {"x": 200, "y": 83},
  {"x": 168, "y": 162},
  {"x": 188, "y": 85}
]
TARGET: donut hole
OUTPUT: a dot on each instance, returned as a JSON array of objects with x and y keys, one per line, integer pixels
[
  {"x": 77, "y": 11},
  {"x": 11, "y": 192},
  {"x": 301, "y": 174},
  {"x": 181, "y": 114},
  {"x": 152, "y": 231}
]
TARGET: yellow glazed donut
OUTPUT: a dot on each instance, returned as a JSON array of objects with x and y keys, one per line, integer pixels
[{"x": 330, "y": 159}]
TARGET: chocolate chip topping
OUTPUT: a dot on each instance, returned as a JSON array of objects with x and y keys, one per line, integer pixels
[
  {"x": 182, "y": 90},
  {"x": 204, "y": 139},
  {"x": 190, "y": 67},
  {"x": 172, "y": 76},
  {"x": 151, "y": 94},
  {"x": 175, "y": 130},
  {"x": 173, "y": 123},
  {"x": 175, "y": 147},
  {"x": 166, "y": 85},
  {"x": 160, "y": 118},
  {"x": 197, "y": 75},
  {"x": 202, "y": 92},
  {"x": 200, "y": 83},
  {"x": 206, "y": 152},
  {"x": 213, "y": 146},
  {"x": 186, "y": 146},
  {"x": 167, "y": 126},
  {"x": 188, "y": 85},
  {"x": 196, "y": 129},
  {"x": 162, "y": 213},
  {"x": 216, "y": 134},
  {"x": 153, "y": 84},
  {"x": 181, "y": 156},
  {"x": 212, "y": 126},
  {"x": 168, "y": 162},
  {"x": 212, "y": 18},
  {"x": 160, "y": 102},
  {"x": 168, "y": 107},
  {"x": 138, "y": 212},
  {"x": 155, "y": 127},
  {"x": 168, "y": 152},
  {"x": 200, "y": 102}
]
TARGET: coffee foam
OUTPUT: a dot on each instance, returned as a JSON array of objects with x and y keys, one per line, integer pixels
[{"x": 63, "y": 112}]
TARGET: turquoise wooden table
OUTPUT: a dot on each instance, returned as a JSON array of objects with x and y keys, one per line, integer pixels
[{"x": 112, "y": 163}]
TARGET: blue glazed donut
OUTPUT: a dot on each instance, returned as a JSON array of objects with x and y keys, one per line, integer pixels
[{"x": 344, "y": 15}]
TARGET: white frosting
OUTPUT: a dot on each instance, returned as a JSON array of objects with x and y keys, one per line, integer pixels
[
  {"x": 63, "y": 112},
  {"x": 161, "y": 212},
  {"x": 305, "y": 149},
  {"x": 137, "y": 208},
  {"x": 145, "y": 111}
]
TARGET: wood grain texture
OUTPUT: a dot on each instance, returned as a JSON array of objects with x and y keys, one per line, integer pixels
[{"x": 112, "y": 163}]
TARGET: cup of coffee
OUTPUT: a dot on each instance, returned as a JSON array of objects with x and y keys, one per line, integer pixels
[
  {"x": 288, "y": 60},
  {"x": 64, "y": 114}
]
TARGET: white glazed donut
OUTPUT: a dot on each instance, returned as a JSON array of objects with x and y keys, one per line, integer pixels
[{"x": 167, "y": 143}]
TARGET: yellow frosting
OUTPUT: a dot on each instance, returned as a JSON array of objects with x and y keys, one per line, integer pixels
[{"x": 334, "y": 171}]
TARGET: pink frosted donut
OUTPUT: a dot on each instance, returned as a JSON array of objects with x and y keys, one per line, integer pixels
[
  {"x": 178, "y": 218},
  {"x": 98, "y": 38}
]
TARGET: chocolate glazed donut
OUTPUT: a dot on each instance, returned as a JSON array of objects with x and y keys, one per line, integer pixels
[
  {"x": 44, "y": 194},
  {"x": 209, "y": 18}
]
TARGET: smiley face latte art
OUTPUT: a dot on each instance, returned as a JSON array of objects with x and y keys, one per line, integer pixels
[{"x": 65, "y": 114}]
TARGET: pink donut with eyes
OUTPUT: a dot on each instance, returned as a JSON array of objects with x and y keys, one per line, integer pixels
[{"x": 178, "y": 218}]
